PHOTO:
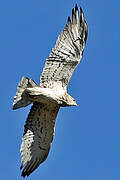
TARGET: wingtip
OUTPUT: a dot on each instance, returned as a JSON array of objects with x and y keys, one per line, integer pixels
[
  {"x": 82, "y": 20},
  {"x": 76, "y": 7},
  {"x": 81, "y": 10},
  {"x": 23, "y": 175},
  {"x": 21, "y": 166},
  {"x": 14, "y": 107},
  {"x": 75, "y": 14},
  {"x": 82, "y": 14},
  {"x": 69, "y": 20},
  {"x": 72, "y": 11}
]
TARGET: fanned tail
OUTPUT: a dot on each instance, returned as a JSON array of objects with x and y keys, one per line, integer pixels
[{"x": 20, "y": 99}]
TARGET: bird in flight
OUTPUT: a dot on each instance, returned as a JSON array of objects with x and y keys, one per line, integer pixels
[{"x": 51, "y": 94}]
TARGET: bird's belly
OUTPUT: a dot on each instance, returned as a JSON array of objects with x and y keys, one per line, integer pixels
[{"x": 43, "y": 95}]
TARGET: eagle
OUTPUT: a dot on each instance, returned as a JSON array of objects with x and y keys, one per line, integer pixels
[{"x": 51, "y": 94}]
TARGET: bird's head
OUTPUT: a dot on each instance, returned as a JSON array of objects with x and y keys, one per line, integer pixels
[{"x": 68, "y": 100}]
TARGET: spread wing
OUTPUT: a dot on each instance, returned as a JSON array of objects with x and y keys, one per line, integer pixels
[
  {"x": 38, "y": 135},
  {"x": 67, "y": 52}
]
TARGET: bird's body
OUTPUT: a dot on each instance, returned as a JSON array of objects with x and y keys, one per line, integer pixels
[{"x": 51, "y": 94}]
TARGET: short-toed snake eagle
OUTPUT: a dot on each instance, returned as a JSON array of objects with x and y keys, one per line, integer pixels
[{"x": 51, "y": 94}]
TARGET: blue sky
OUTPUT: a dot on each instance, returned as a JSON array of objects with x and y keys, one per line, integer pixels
[{"x": 87, "y": 139}]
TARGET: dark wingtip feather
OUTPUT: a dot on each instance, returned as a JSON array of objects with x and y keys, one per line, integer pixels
[
  {"x": 81, "y": 11},
  {"x": 69, "y": 20},
  {"x": 76, "y": 7},
  {"x": 23, "y": 174},
  {"x": 72, "y": 11},
  {"x": 73, "y": 16},
  {"x": 13, "y": 108},
  {"x": 29, "y": 169},
  {"x": 82, "y": 19},
  {"x": 21, "y": 167}
]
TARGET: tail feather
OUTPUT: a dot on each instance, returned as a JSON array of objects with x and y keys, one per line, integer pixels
[{"x": 20, "y": 99}]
